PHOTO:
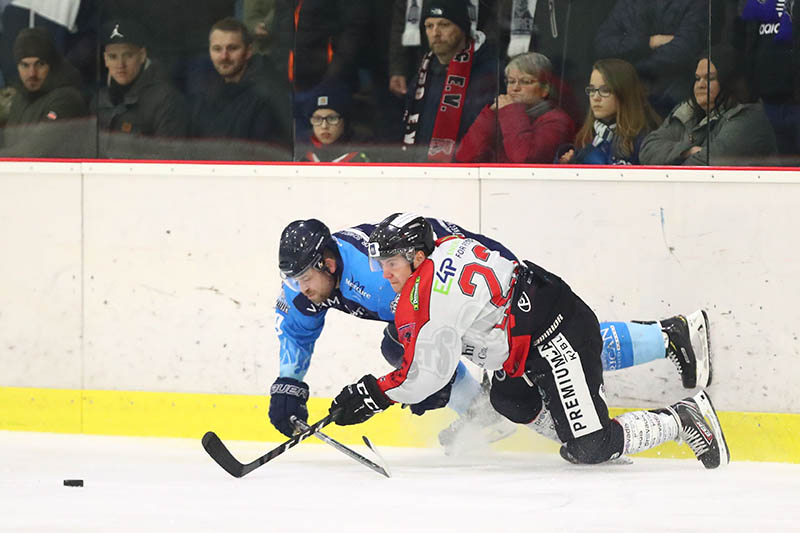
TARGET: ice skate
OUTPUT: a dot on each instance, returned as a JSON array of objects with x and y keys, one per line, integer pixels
[
  {"x": 480, "y": 426},
  {"x": 688, "y": 347},
  {"x": 699, "y": 427}
]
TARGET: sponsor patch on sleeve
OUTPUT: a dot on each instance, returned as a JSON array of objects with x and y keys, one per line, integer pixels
[{"x": 281, "y": 304}]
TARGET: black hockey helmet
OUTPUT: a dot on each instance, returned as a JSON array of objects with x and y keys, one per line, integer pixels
[
  {"x": 301, "y": 247},
  {"x": 400, "y": 234}
]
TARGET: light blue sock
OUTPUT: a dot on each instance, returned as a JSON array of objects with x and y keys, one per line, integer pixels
[
  {"x": 626, "y": 344},
  {"x": 465, "y": 389}
]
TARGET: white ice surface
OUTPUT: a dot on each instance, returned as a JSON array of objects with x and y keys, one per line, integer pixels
[{"x": 153, "y": 485}]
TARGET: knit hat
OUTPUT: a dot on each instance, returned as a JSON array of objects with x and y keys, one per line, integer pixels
[
  {"x": 36, "y": 42},
  {"x": 121, "y": 31},
  {"x": 453, "y": 10},
  {"x": 331, "y": 96}
]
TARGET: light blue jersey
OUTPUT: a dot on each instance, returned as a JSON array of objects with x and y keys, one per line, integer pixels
[{"x": 359, "y": 292}]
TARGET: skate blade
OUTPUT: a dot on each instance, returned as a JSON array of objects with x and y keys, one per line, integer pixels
[
  {"x": 710, "y": 414},
  {"x": 700, "y": 339}
]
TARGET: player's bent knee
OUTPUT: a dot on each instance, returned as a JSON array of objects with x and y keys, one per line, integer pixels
[
  {"x": 515, "y": 400},
  {"x": 599, "y": 446}
]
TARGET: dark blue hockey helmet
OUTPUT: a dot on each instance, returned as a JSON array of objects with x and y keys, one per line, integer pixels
[
  {"x": 301, "y": 247},
  {"x": 400, "y": 234}
]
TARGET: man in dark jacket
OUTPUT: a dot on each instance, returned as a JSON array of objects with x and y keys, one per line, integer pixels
[
  {"x": 245, "y": 100},
  {"x": 48, "y": 94},
  {"x": 771, "y": 57},
  {"x": 319, "y": 40},
  {"x": 456, "y": 79},
  {"x": 138, "y": 104},
  {"x": 662, "y": 39}
]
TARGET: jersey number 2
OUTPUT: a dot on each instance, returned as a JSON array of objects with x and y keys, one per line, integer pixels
[{"x": 468, "y": 287}]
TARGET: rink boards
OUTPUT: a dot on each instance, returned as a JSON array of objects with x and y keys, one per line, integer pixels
[
  {"x": 768, "y": 437},
  {"x": 137, "y": 297}
]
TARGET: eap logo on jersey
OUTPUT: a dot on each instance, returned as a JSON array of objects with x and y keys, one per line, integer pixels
[{"x": 444, "y": 277}]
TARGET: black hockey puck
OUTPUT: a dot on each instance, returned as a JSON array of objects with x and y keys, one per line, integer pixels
[{"x": 73, "y": 483}]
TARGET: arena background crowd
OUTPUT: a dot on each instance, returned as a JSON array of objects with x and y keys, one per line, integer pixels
[{"x": 659, "y": 82}]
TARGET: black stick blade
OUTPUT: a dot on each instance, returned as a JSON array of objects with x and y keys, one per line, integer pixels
[{"x": 217, "y": 450}]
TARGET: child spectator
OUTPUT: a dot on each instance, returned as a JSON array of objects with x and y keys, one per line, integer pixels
[{"x": 330, "y": 118}]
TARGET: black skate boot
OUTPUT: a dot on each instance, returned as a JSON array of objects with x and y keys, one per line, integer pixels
[
  {"x": 704, "y": 437},
  {"x": 688, "y": 347}
]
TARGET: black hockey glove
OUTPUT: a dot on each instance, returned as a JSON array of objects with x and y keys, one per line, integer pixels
[
  {"x": 359, "y": 401},
  {"x": 289, "y": 397},
  {"x": 437, "y": 400}
]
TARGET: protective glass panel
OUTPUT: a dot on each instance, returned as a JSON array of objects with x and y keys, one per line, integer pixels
[{"x": 423, "y": 81}]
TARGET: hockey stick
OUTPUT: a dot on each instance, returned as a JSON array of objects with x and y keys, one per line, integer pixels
[
  {"x": 220, "y": 453},
  {"x": 381, "y": 469}
]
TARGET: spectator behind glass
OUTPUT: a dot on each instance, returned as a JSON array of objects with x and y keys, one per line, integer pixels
[
  {"x": 407, "y": 42},
  {"x": 562, "y": 30},
  {"x": 244, "y": 100},
  {"x": 138, "y": 101},
  {"x": 713, "y": 126},
  {"x": 772, "y": 61},
  {"x": 317, "y": 41},
  {"x": 48, "y": 94},
  {"x": 660, "y": 38},
  {"x": 619, "y": 117},
  {"x": 330, "y": 118},
  {"x": 524, "y": 125},
  {"x": 58, "y": 17},
  {"x": 258, "y": 17},
  {"x": 456, "y": 79}
]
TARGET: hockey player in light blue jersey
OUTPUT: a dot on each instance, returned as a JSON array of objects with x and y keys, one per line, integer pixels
[{"x": 323, "y": 271}]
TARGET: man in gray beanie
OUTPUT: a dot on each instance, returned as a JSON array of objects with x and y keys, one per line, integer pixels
[
  {"x": 49, "y": 92},
  {"x": 456, "y": 79}
]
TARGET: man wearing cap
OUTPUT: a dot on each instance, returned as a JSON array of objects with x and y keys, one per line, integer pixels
[
  {"x": 49, "y": 92},
  {"x": 456, "y": 79},
  {"x": 244, "y": 100},
  {"x": 137, "y": 101}
]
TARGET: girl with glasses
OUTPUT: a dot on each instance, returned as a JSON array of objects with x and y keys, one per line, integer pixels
[
  {"x": 524, "y": 125},
  {"x": 618, "y": 119},
  {"x": 331, "y": 132}
]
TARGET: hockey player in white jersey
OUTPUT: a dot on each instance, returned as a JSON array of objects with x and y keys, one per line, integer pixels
[
  {"x": 460, "y": 299},
  {"x": 324, "y": 271}
]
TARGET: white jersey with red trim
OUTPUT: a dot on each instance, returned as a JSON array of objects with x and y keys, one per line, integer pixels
[{"x": 455, "y": 304}]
